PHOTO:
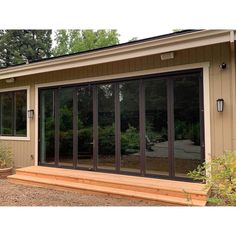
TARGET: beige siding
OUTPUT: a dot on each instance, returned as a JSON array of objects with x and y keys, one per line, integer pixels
[{"x": 220, "y": 86}]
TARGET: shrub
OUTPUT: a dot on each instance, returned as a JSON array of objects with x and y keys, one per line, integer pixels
[
  {"x": 106, "y": 140},
  {"x": 180, "y": 130},
  {"x": 221, "y": 179},
  {"x": 5, "y": 156},
  {"x": 195, "y": 134},
  {"x": 130, "y": 140}
]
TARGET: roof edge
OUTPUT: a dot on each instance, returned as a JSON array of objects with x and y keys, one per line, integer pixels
[{"x": 138, "y": 48}]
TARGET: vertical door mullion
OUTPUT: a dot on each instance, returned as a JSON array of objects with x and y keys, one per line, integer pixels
[
  {"x": 201, "y": 114},
  {"x": 117, "y": 129},
  {"x": 142, "y": 126},
  {"x": 75, "y": 127},
  {"x": 41, "y": 128},
  {"x": 170, "y": 121},
  {"x": 57, "y": 126},
  {"x": 95, "y": 127},
  {"x": 13, "y": 113}
]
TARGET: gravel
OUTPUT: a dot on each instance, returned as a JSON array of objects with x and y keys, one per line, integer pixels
[{"x": 19, "y": 195}]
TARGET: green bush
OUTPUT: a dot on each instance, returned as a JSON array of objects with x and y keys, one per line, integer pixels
[
  {"x": 5, "y": 156},
  {"x": 221, "y": 179},
  {"x": 85, "y": 138},
  {"x": 180, "y": 130},
  {"x": 195, "y": 134},
  {"x": 106, "y": 140},
  {"x": 130, "y": 140}
]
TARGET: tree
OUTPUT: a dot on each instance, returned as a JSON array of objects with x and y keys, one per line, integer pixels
[
  {"x": 20, "y": 46},
  {"x": 71, "y": 41}
]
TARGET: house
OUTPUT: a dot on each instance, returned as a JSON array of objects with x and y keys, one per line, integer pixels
[{"x": 153, "y": 108}]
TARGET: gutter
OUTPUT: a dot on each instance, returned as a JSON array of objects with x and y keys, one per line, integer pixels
[{"x": 139, "y": 49}]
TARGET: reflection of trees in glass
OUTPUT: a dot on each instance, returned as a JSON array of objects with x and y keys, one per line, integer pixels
[
  {"x": 85, "y": 121},
  {"x": 7, "y": 113},
  {"x": 130, "y": 141},
  {"x": 49, "y": 135},
  {"x": 156, "y": 110},
  {"x": 13, "y": 112},
  {"x": 129, "y": 115},
  {"x": 129, "y": 104},
  {"x": 66, "y": 121},
  {"x": 106, "y": 120},
  {"x": 186, "y": 97},
  {"x": 20, "y": 112}
]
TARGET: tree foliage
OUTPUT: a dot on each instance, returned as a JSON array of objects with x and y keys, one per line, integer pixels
[
  {"x": 71, "y": 41},
  {"x": 20, "y": 46}
]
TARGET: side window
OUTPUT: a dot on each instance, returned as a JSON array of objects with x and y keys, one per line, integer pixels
[{"x": 13, "y": 113}]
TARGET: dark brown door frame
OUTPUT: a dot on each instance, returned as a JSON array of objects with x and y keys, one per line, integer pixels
[
  {"x": 95, "y": 127},
  {"x": 170, "y": 125},
  {"x": 142, "y": 127},
  {"x": 201, "y": 113},
  {"x": 57, "y": 126},
  {"x": 75, "y": 127},
  {"x": 117, "y": 129}
]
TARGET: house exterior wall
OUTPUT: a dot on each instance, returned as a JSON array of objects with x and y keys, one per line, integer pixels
[{"x": 221, "y": 84}]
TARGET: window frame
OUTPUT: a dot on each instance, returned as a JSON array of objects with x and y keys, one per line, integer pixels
[{"x": 23, "y": 138}]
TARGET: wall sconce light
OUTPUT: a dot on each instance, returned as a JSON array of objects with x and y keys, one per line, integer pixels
[
  {"x": 220, "y": 104},
  {"x": 167, "y": 56},
  {"x": 31, "y": 114},
  {"x": 222, "y": 66},
  {"x": 10, "y": 80}
]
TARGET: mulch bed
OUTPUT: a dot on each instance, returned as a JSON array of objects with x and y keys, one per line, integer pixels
[{"x": 19, "y": 195}]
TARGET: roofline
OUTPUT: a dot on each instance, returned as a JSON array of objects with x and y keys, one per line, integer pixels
[
  {"x": 107, "y": 47},
  {"x": 144, "y": 47}
]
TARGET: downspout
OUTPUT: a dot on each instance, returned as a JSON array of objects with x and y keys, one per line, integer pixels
[{"x": 233, "y": 87}]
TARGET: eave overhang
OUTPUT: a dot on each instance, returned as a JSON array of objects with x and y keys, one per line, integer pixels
[{"x": 139, "y": 49}]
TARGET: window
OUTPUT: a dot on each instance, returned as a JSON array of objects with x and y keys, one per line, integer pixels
[{"x": 13, "y": 109}]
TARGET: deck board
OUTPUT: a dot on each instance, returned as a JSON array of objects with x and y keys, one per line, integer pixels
[{"x": 162, "y": 190}]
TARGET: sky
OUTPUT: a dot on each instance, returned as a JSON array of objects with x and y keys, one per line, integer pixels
[{"x": 126, "y": 34}]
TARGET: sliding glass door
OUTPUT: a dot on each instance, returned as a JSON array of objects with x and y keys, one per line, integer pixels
[
  {"x": 187, "y": 124},
  {"x": 47, "y": 127},
  {"x": 84, "y": 122},
  {"x": 156, "y": 127},
  {"x": 149, "y": 126},
  {"x": 129, "y": 126},
  {"x": 65, "y": 116}
]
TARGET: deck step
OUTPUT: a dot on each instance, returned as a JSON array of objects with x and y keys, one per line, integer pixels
[
  {"x": 147, "y": 185},
  {"x": 78, "y": 186}
]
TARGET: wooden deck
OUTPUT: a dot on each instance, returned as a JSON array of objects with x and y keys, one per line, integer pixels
[{"x": 164, "y": 192}]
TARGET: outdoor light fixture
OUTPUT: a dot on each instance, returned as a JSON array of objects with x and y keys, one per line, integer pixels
[
  {"x": 167, "y": 56},
  {"x": 10, "y": 80},
  {"x": 220, "y": 104},
  {"x": 222, "y": 66},
  {"x": 31, "y": 114}
]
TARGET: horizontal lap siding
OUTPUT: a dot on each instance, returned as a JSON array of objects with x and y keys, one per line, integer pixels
[{"x": 220, "y": 86}]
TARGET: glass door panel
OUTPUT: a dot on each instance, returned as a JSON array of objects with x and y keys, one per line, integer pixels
[
  {"x": 106, "y": 127},
  {"x": 156, "y": 152},
  {"x": 129, "y": 121},
  {"x": 47, "y": 127},
  {"x": 66, "y": 127},
  {"x": 85, "y": 127},
  {"x": 187, "y": 149},
  {"x": 7, "y": 122}
]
